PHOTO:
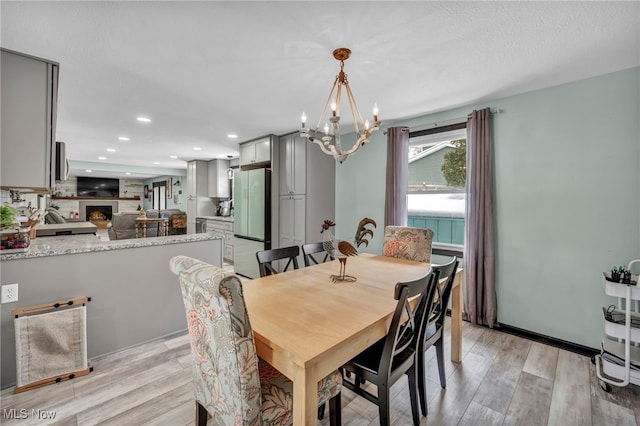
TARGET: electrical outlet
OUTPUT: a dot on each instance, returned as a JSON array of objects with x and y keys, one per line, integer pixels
[{"x": 10, "y": 293}]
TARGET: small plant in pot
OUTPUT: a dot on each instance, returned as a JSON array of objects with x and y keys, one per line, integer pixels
[{"x": 12, "y": 237}]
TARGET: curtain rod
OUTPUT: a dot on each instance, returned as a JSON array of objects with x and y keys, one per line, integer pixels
[
  {"x": 454, "y": 120},
  {"x": 449, "y": 121}
]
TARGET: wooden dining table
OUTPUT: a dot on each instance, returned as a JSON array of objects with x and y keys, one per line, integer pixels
[{"x": 307, "y": 326}]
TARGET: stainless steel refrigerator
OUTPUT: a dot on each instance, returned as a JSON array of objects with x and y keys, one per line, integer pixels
[{"x": 252, "y": 219}]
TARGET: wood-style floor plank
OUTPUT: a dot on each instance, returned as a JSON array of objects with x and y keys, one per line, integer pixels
[
  {"x": 542, "y": 361},
  {"x": 571, "y": 398},
  {"x": 499, "y": 384},
  {"x": 502, "y": 380},
  {"x": 531, "y": 401}
]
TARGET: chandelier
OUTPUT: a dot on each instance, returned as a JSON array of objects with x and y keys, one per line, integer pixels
[{"x": 329, "y": 138}]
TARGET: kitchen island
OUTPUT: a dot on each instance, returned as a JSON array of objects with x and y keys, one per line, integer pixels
[
  {"x": 222, "y": 225},
  {"x": 134, "y": 296}
]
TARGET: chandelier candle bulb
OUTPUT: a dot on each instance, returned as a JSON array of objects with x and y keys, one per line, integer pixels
[
  {"x": 375, "y": 112},
  {"x": 333, "y": 108},
  {"x": 304, "y": 120}
]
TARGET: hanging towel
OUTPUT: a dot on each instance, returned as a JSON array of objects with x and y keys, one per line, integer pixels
[{"x": 51, "y": 344}]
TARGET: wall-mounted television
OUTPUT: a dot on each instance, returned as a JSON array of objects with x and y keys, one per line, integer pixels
[{"x": 98, "y": 187}]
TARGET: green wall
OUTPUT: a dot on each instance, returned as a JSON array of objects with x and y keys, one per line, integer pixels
[{"x": 567, "y": 181}]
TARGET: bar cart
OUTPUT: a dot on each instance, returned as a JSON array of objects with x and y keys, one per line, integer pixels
[{"x": 618, "y": 363}]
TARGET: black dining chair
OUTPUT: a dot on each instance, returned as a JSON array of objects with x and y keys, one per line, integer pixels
[
  {"x": 266, "y": 257},
  {"x": 317, "y": 249},
  {"x": 433, "y": 326},
  {"x": 393, "y": 356}
]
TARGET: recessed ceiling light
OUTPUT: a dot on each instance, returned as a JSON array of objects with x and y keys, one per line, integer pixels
[
  {"x": 173, "y": 156},
  {"x": 127, "y": 173},
  {"x": 144, "y": 119},
  {"x": 197, "y": 148},
  {"x": 156, "y": 162},
  {"x": 232, "y": 135},
  {"x": 102, "y": 158},
  {"x": 123, "y": 138},
  {"x": 111, "y": 150},
  {"x": 88, "y": 170}
]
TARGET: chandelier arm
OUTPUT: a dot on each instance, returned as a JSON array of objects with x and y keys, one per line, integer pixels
[
  {"x": 362, "y": 140},
  {"x": 324, "y": 149}
]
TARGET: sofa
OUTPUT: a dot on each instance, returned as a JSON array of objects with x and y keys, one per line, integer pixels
[
  {"x": 123, "y": 225},
  {"x": 177, "y": 221}
]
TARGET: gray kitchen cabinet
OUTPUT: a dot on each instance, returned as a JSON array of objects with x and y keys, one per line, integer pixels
[
  {"x": 28, "y": 105},
  {"x": 219, "y": 186},
  {"x": 257, "y": 152},
  {"x": 293, "y": 221},
  {"x": 225, "y": 229},
  {"x": 198, "y": 202},
  {"x": 305, "y": 191},
  {"x": 292, "y": 164}
]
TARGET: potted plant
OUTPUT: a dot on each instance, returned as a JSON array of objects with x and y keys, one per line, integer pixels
[{"x": 13, "y": 238}]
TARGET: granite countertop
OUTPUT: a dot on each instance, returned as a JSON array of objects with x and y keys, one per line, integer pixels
[
  {"x": 84, "y": 243},
  {"x": 220, "y": 218}
]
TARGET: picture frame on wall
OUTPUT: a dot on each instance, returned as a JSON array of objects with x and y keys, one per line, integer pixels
[
  {"x": 147, "y": 193},
  {"x": 169, "y": 189}
]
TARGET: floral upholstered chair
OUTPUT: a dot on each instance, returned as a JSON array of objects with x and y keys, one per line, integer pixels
[
  {"x": 232, "y": 384},
  {"x": 404, "y": 242}
]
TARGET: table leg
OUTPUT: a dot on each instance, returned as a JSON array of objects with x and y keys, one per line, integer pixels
[
  {"x": 144, "y": 230},
  {"x": 137, "y": 229},
  {"x": 305, "y": 399},
  {"x": 456, "y": 318}
]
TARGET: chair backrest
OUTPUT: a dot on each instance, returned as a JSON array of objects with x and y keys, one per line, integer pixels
[
  {"x": 225, "y": 364},
  {"x": 404, "y": 242},
  {"x": 406, "y": 322},
  {"x": 308, "y": 250},
  {"x": 438, "y": 298},
  {"x": 266, "y": 257}
]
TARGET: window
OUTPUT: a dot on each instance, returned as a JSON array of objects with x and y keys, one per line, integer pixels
[{"x": 437, "y": 176}]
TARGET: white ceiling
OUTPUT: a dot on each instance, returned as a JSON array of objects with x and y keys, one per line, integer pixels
[{"x": 201, "y": 70}]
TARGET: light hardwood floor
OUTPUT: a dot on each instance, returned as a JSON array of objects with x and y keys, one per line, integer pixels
[{"x": 502, "y": 380}]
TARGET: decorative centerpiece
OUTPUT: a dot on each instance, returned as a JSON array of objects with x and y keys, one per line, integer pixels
[
  {"x": 341, "y": 249},
  {"x": 13, "y": 238}
]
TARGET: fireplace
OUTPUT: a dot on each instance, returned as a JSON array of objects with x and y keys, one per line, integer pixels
[
  {"x": 97, "y": 208},
  {"x": 96, "y": 213}
]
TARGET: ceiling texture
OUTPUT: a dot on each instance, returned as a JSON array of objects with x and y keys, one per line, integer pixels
[{"x": 202, "y": 70}]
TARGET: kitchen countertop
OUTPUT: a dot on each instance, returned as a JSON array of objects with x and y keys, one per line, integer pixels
[
  {"x": 72, "y": 244},
  {"x": 220, "y": 218}
]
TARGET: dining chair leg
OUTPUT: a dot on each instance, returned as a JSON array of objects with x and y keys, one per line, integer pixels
[
  {"x": 413, "y": 395},
  {"x": 335, "y": 411},
  {"x": 422, "y": 382},
  {"x": 383, "y": 405},
  {"x": 440, "y": 356},
  {"x": 201, "y": 415}
]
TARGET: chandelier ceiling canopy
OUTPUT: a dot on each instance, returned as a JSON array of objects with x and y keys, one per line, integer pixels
[{"x": 329, "y": 138}]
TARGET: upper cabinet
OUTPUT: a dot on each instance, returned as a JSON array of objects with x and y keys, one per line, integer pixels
[
  {"x": 292, "y": 164},
  {"x": 219, "y": 186},
  {"x": 256, "y": 153},
  {"x": 29, "y": 98}
]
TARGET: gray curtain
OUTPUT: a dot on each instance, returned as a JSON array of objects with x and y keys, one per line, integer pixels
[
  {"x": 481, "y": 304},
  {"x": 395, "y": 207}
]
